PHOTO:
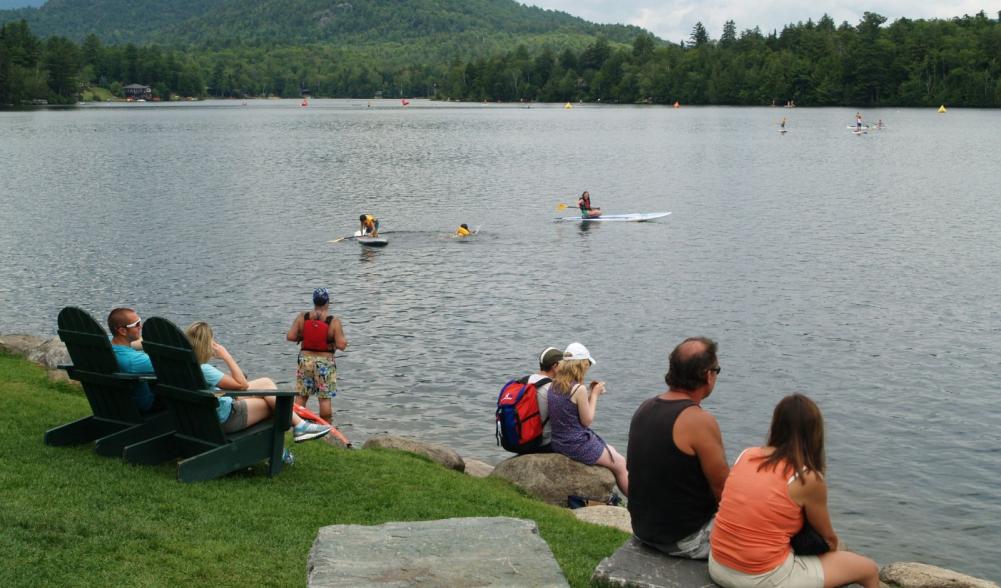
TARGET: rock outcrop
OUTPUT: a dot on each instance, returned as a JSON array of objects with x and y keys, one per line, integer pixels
[
  {"x": 552, "y": 477},
  {"x": 50, "y": 354},
  {"x": 485, "y": 551},
  {"x": 919, "y": 575},
  {"x": 477, "y": 468},
  {"x": 635, "y": 565},
  {"x": 19, "y": 345},
  {"x": 608, "y": 516},
  {"x": 437, "y": 453}
]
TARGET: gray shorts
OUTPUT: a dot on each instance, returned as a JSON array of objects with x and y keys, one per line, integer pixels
[
  {"x": 695, "y": 546},
  {"x": 237, "y": 420}
]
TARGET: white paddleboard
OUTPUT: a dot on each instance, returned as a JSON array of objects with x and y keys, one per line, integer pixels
[
  {"x": 370, "y": 241},
  {"x": 636, "y": 217}
]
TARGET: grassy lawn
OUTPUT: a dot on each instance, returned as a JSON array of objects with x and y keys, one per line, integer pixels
[
  {"x": 72, "y": 518},
  {"x": 96, "y": 94}
]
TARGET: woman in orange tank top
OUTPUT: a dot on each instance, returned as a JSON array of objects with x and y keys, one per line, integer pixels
[{"x": 770, "y": 493}]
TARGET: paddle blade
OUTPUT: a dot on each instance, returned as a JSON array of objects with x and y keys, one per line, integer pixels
[{"x": 562, "y": 206}]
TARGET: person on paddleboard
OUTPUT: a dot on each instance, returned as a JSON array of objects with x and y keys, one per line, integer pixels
[
  {"x": 782, "y": 125},
  {"x": 858, "y": 122},
  {"x": 369, "y": 225},
  {"x": 584, "y": 203},
  {"x": 463, "y": 230}
]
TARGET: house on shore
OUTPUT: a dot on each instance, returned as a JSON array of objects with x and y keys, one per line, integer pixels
[{"x": 137, "y": 92}]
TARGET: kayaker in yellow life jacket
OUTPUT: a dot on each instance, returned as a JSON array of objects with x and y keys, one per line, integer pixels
[
  {"x": 369, "y": 225},
  {"x": 463, "y": 230}
]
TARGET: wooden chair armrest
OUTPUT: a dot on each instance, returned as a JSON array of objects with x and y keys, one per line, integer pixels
[
  {"x": 237, "y": 393},
  {"x": 150, "y": 377}
]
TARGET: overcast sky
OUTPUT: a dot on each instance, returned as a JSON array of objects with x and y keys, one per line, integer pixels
[{"x": 672, "y": 20}]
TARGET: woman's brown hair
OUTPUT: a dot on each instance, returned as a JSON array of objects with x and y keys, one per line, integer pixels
[{"x": 797, "y": 434}]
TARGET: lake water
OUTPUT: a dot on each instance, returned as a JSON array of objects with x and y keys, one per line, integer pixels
[{"x": 860, "y": 270}]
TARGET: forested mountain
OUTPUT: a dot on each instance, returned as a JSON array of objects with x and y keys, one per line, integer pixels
[
  {"x": 225, "y": 23},
  {"x": 907, "y": 63},
  {"x": 489, "y": 50}
]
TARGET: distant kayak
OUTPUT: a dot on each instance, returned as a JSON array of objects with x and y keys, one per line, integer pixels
[{"x": 636, "y": 217}]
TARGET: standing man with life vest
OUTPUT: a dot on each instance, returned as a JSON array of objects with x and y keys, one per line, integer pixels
[
  {"x": 369, "y": 225},
  {"x": 584, "y": 203},
  {"x": 320, "y": 335}
]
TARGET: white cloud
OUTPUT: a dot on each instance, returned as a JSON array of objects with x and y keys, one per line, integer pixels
[{"x": 672, "y": 20}]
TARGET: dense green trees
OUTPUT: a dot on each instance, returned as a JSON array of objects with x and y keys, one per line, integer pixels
[{"x": 906, "y": 63}]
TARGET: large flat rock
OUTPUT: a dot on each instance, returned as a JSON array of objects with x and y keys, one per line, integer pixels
[
  {"x": 485, "y": 551},
  {"x": 635, "y": 565}
]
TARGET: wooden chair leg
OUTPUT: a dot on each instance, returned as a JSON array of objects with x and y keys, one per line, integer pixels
[
  {"x": 208, "y": 465},
  {"x": 152, "y": 451},
  {"x": 114, "y": 444},
  {"x": 80, "y": 431}
]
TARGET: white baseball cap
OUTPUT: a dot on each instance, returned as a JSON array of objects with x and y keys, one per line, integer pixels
[{"x": 577, "y": 351}]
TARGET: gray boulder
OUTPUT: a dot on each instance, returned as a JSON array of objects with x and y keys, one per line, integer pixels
[
  {"x": 477, "y": 468},
  {"x": 919, "y": 575},
  {"x": 446, "y": 553},
  {"x": 635, "y": 565},
  {"x": 552, "y": 477},
  {"x": 437, "y": 453},
  {"x": 50, "y": 354},
  {"x": 608, "y": 516},
  {"x": 19, "y": 345}
]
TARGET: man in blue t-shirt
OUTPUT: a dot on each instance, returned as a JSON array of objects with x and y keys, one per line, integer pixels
[{"x": 126, "y": 335}]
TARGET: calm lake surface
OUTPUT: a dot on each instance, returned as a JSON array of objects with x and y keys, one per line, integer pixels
[{"x": 860, "y": 270}]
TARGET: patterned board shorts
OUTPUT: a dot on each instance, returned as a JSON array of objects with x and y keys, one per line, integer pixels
[{"x": 316, "y": 376}]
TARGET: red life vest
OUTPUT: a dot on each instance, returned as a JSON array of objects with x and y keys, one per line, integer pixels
[{"x": 314, "y": 333}]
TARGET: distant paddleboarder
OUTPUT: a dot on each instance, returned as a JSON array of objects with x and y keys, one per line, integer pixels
[
  {"x": 584, "y": 203},
  {"x": 369, "y": 225}
]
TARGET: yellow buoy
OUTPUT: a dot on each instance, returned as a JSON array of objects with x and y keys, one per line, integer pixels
[
  {"x": 568, "y": 105},
  {"x": 941, "y": 108}
]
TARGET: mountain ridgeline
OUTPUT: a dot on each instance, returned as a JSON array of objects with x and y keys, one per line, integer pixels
[{"x": 227, "y": 23}]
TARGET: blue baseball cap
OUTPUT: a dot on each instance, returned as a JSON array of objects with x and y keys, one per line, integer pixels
[{"x": 321, "y": 296}]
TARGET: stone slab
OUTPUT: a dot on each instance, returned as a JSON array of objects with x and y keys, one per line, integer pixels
[
  {"x": 465, "y": 552},
  {"x": 636, "y": 566}
]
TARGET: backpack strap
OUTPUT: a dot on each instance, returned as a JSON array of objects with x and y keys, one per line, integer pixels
[
  {"x": 543, "y": 382},
  {"x": 329, "y": 319}
]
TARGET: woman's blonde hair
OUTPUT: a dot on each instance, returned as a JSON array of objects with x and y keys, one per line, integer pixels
[
  {"x": 568, "y": 372},
  {"x": 200, "y": 336}
]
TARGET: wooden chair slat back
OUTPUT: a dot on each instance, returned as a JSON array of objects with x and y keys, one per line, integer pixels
[
  {"x": 89, "y": 347},
  {"x": 87, "y": 343},
  {"x": 180, "y": 381}
]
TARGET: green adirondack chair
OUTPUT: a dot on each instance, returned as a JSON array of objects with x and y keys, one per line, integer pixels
[
  {"x": 204, "y": 449},
  {"x": 116, "y": 421}
]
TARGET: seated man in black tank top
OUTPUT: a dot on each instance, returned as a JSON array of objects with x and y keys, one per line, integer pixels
[{"x": 677, "y": 465}]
